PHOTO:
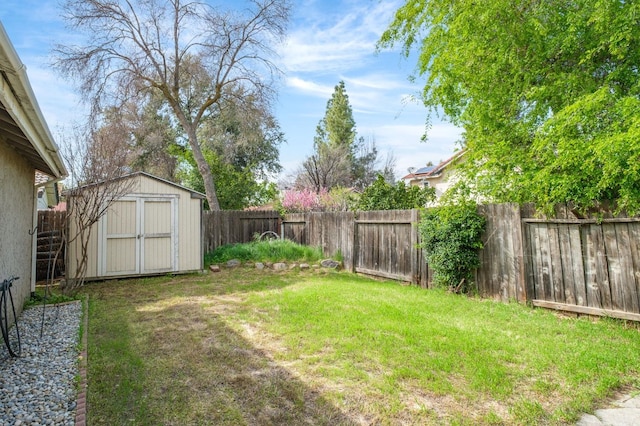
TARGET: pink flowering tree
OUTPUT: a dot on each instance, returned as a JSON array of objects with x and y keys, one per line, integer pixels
[
  {"x": 307, "y": 200},
  {"x": 299, "y": 201}
]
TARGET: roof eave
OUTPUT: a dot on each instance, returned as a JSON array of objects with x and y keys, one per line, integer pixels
[{"x": 17, "y": 96}]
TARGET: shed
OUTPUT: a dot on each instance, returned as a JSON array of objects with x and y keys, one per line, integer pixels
[
  {"x": 26, "y": 149},
  {"x": 155, "y": 228}
]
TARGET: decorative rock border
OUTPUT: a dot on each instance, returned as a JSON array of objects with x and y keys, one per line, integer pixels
[
  {"x": 279, "y": 266},
  {"x": 40, "y": 387},
  {"x": 81, "y": 405}
]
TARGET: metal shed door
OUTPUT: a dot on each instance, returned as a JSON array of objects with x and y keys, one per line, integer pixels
[{"x": 139, "y": 236}]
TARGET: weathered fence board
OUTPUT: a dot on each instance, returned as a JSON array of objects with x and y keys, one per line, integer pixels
[
  {"x": 237, "y": 226},
  {"x": 386, "y": 244},
  {"x": 579, "y": 297},
  {"x": 627, "y": 293},
  {"x": 294, "y": 228},
  {"x": 584, "y": 263},
  {"x": 634, "y": 241},
  {"x": 501, "y": 272},
  {"x": 334, "y": 233}
]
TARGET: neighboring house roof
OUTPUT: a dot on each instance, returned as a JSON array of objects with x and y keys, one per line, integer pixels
[
  {"x": 22, "y": 125},
  {"x": 424, "y": 170},
  {"x": 432, "y": 171}
]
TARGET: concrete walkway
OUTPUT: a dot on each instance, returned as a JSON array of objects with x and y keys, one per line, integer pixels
[{"x": 624, "y": 411}]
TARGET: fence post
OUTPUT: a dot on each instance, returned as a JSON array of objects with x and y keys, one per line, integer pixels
[
  {"x": 355, "y": 249},
  {"x": 519, "y": 256},
  {"x": 415, "y": 266}
]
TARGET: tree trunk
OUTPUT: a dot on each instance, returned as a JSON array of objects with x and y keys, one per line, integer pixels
[{"x": 203, "y": 167}]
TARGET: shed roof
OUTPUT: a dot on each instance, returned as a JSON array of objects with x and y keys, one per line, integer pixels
[
  {"x": 22, "y": 124},
  {"x": 194, "y": 193}
]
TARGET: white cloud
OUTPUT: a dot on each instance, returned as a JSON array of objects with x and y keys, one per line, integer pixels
[
  {"x": 310, "y": 87},
  {"x": 378, "y": 81},
  {"x": 326, "y": 42}
]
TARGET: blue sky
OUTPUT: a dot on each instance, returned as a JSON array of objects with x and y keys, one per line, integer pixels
[{"x": 328, "y": 41}]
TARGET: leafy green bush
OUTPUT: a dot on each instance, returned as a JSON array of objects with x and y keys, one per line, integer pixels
[
  {"x": 50, "y": 295},
  {"x": 382, "y": 195},
  {"x": 451, "y": 238},
  {"x": 262, "y": 251}
]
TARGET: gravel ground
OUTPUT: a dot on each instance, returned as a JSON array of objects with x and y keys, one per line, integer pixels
[{"x": 39, "y": 387}]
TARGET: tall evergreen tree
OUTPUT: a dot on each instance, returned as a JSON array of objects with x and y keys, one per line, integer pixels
[
  {"x": 341, "y": 159},
  {"x": 337, "y": 128}
]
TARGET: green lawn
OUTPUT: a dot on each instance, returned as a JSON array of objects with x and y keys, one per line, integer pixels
[{"x": 315, "y": 347}]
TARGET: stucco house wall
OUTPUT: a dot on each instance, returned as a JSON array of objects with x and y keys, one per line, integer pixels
[
  {"x": 17, "y": 191},
  {"x": 26, "y": 147}
]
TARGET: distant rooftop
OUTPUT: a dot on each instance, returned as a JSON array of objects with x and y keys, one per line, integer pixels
[
  {"x": 433, "y": 171},
  {"x": 423, "y": 170}
]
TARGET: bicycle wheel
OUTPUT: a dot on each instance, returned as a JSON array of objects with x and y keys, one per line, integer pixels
[{"x": 10, "y": 332}]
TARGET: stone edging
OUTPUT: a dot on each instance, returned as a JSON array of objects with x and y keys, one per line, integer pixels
[
  {"x": 81, "y": 404},
  {"x": 279, "y": 266}
]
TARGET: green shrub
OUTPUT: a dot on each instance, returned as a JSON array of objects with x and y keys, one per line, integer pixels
[
  {"x": 451, "y": 238},
  {"x": 263, "y": 251},
  {"x": 382, "y": 195},
  {"x": 50, "y": 295}
]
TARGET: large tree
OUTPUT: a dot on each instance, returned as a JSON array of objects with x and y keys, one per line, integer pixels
[
  {"x": 341, "y": 159},
  {"x": 546, "y": 91},
  {"x": 240, "y": 144},
  {"x": 327, "y": 168},
  {"x": 146, "y": 132},
  {"x": 337, "y": 127},
  {"x": 187, "y": 52},
  {"x": 245, "y": 136}
]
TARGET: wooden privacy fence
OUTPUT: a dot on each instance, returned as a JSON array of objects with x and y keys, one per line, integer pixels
[
  {"x": 380, "y": 243},
  {"x": 236, "y": 226},
  {"x": 386, "y": 245},
  {"x": 331, "y": 231},
  {"x": 582, "y": 265},
  {"x": 563, "y": 262}
]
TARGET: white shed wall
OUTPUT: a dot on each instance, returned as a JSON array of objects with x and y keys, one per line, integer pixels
[
  {"x": 188, "y": 245},
  {"x": 190, "y": 256}
]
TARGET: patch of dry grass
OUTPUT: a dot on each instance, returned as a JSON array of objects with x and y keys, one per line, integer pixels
[
  {"x": 259, "y": 348},
  {"x": 162, "y": 352}
]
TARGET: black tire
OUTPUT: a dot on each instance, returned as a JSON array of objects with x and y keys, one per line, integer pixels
[{"x": 10, "y": 333}]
